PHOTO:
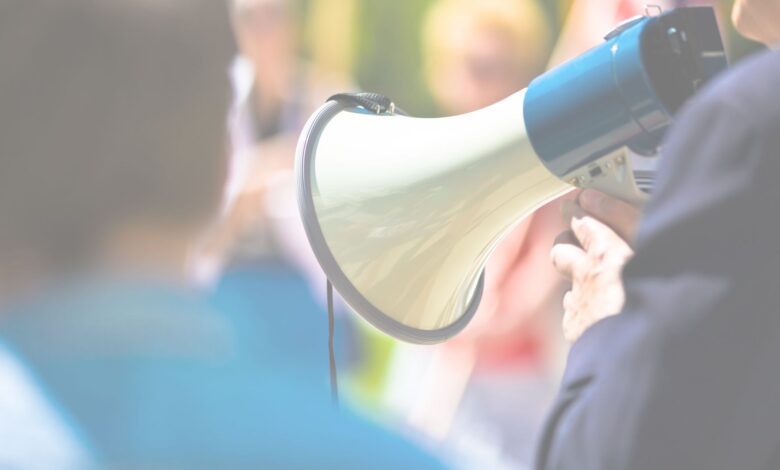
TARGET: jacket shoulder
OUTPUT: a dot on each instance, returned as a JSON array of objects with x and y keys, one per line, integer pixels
[{"x": 748, "y": 89}]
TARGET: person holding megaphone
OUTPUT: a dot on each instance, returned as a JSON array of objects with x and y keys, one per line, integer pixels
[{"x": 674, "y": 362}]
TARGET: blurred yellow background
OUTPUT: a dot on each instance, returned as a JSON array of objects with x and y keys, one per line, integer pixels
[{"x": 378, "y": 43}]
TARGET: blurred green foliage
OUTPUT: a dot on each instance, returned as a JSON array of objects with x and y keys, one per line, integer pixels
[{"x": 387, "y": 56}]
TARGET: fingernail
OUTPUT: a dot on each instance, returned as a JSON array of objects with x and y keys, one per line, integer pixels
[{"x": 590, "y": 199}]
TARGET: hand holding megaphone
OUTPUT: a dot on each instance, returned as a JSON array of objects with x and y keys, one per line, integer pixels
[
  {"x": 403, "y": 212},
  {"x": 601, "y": 240}
]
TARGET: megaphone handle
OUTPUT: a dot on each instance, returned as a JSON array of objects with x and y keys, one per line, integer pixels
[{"x": 611, "y": 174}]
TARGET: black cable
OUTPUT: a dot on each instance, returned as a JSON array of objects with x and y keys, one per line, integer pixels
[
  {"x": 378, "y": 104},
  {"x": 334, "y": 384}
]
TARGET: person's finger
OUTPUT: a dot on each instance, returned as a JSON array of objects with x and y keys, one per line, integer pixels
[
  {"x": 569, "y": 303},
  {"x": 620, "y": 215},
  {"x": 568, "y": 259},
  {"x": 598, "y": 239},
  {"x": 567, "y": 237}
]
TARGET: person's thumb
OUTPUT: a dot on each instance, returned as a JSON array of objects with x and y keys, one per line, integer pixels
[{"x": 598, "y": 239}]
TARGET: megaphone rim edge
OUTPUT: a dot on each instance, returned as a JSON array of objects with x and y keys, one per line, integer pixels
[{"x": 351, "y": 295}]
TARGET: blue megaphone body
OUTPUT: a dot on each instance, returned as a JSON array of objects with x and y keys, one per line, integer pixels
[{"x": 625, "y": 91}]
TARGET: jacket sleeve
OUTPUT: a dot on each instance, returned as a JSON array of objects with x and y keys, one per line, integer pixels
[{"x": 687, "y": 375}]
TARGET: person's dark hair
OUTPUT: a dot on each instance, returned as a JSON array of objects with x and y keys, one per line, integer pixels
[{"x": 109, "y": 109}]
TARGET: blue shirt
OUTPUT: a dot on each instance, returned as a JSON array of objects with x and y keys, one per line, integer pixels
[{"x": 155, "y": 375}]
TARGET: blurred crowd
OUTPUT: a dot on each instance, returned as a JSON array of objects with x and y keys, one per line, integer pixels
[{"x": 160, "y": 303}]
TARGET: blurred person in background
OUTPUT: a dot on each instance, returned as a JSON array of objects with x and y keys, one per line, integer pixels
[
  {"x": 113, "y": 154},
  {"x": 675, "y": 330},
  {"x": 257, "y": 256},
  {"x": 276, "y": 90}
]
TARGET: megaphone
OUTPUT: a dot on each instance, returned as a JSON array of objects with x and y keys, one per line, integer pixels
[{"x": 402, "y": 212}]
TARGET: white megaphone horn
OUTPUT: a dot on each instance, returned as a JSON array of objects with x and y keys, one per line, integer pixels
[{"x": 403, "y": 212}]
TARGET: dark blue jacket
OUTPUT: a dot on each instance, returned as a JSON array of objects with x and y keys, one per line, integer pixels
[{"x": 688, "y": 375}]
